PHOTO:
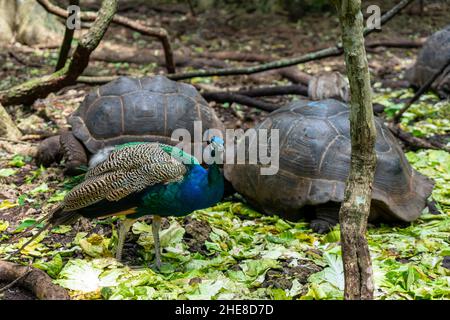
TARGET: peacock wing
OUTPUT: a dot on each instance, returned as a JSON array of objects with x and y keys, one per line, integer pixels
[
  {"x": 131, "y": 156},
  {"x": 127, "y": 170}
]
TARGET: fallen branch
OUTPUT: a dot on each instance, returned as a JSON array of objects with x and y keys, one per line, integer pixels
[
  {"x": 19, "y": 141},
  {"x": 159, "y": 33},
  {"x": 294, "y": 75},
  {"x": 13, "y": 283},
  {"x": 237, "y": 56},
  {"x": 96, "y": 80},
  {"x": 320, "y": 54},
  {"x": 401, "y": 43},
  {"x": 245, "y": 96},
  {"x": 324, "y": 53},
  {"x": 414, "y": 142},
  {"x": 35, "y": 280},
  {"x": 335, "y": 51},
  {"x": 223, "y": 97},
  {"x": 291, "y": 73},
  {"x": 419, "y": 92},
  {"x": 22, "y": 61},
  {"x": 29, "y": 91},
  {"x": 275, "y": 91},
  {"x": 270, "y": 91}
]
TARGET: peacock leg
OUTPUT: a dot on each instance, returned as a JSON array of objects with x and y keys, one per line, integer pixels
[
  {"x": 156, "y": 224},
  {"x": 124, "y": 227}
]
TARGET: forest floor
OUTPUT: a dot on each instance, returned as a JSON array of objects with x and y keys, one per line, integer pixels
[{"x": 229, "y": 251}]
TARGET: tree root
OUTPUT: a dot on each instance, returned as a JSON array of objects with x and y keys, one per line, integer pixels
[{"x": 35, "y": 280}]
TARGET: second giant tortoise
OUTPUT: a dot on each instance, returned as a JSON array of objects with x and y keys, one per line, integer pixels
[
  {"x": 314, "y": 162},
  {"x": 434, "y": 55}
]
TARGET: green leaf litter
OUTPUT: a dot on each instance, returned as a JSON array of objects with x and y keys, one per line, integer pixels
[{"x": 242, "y": 255}]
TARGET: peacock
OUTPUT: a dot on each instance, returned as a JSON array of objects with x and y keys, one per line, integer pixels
[{"x": 138, "y": 179}]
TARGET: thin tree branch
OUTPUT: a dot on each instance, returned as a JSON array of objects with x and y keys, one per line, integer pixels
[{"x": 159, "y": 33}]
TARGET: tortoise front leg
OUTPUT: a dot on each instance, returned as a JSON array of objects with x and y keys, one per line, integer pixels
[
  {"x": 327, "y": 216},
  {"x": 49, "y": 151},
  {"x": 74, "y": 153}
]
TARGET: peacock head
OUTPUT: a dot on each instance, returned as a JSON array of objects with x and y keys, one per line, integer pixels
[{"x": 216, "y": 147}]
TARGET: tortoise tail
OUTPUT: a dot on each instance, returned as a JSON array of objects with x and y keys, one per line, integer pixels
[{"x": 55, "y": 218}]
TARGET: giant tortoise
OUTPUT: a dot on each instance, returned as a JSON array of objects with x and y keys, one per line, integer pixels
[
  {"x": 434, "y": 55},
  {"x": 314, "y": 161},
  {"x": 127, "y": 110}
]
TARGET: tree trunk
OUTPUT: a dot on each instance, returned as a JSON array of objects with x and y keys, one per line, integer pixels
[
  {"x": 7, "y": 127},
  {"x": 355, "y": 208},
  {"x": 28, "y": 22},
  {"x": 7, "y": 14}
]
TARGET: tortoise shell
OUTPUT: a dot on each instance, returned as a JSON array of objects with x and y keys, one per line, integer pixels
[
  {"x": 314, "y": 162},
  {"x": 434, "y": 54},
  {"x": 144, "y": 109}
]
